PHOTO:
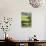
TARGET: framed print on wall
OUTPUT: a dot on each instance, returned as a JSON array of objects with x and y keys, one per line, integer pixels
[{"x": 26, "y": 19}]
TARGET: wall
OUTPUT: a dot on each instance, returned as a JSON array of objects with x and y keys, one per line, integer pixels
[
  {"x": 45, "y": 28},
  {"x": 13, "y": 8}
]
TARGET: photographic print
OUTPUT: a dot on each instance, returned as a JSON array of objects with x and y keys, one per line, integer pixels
[{"x": 26, "y": 19}]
